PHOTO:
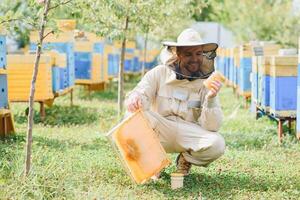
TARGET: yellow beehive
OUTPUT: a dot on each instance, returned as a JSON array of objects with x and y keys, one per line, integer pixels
[
  {"x": 265, "y": 65},
  {"x": 284, "y": 65},
  {"x": 67, "y": 36},
  {"x": 270, "y": 49},
  {"x": 246, "y": 51},
  {"x": 93, "y": 37},
  {"x": 57, "y": 59},
  {"x": 97, "y": 74},
  {"x": 20, "y": 70},
  {"x": 83, "y": 46},
  {"x": 66, "y": 24},
  {"x": 129, "y": 44},
  {"x": 109, "y": 49}
]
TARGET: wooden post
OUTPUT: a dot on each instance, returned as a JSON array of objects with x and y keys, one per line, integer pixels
[
  {"x": 5, "y": 126},
  {"x": 42, "y": 110},
  {"x": 290, "y": 125},
  {"x": 280, "y": 131},
  {"x": 71, "y": 97}
]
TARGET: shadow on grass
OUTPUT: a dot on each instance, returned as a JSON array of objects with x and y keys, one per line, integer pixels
[
  {"x": 18, "y": 140},
  {"x": 217, "y": 186},
  {"x": 111, "y": 92},
  {"x": 62, "y": 115}
]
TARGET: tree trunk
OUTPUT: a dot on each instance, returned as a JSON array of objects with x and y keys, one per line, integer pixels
[
  {"x": 32, "y": 88},
  {"x": 121, "y": 71},
  {"x": 145, "y": 54}
]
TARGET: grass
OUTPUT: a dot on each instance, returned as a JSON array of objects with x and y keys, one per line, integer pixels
[{"x": 73, "y": 160}]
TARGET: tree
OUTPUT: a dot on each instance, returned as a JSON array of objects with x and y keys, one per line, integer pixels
[
  {"x": 258, "y": 20},
  {"x": 124, "y": 19},
  {"x": 33, "y": 14}
]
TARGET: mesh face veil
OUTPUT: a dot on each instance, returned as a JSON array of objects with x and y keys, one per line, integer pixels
[{"x": 205, "y": 70}]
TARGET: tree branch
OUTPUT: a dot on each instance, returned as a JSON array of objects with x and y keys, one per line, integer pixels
[
  {"x": 51, "y": 32},
  {"x": 9, "y": 20},
  {"x": 60, "y": 4}
]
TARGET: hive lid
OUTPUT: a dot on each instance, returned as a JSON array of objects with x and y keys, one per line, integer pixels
[
  {"x": 139, "y": 148},
  {"x": 285, "y": 60}
]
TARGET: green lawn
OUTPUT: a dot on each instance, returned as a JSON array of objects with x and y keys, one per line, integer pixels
[{"x": 73, "y": 160}]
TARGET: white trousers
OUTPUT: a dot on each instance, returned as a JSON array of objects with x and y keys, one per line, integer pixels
[{"x": 199, "y": 146}]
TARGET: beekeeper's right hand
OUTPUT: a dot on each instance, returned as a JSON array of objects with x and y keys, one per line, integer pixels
[{"x": 134, "y": 103}]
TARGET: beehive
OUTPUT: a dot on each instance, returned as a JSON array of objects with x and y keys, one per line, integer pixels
[
  {"x": 256, "y": 64},
  {"x": 20, "y": 70},
  {"x": 83, "y": 60},
  {"x": 151, "y": 60},
  {"x": 136, "y": 61},
  {"x": 236, "y": 63},
  {"x": 298, "y": 94},
  {"x": 3, "y": 89},
  {"x": 66, "y": 24},
  {"x": 231, "y": 66},
  {"x": 2, "y": 52},
  {"x": 244, "y": 70},
  {"x": 99, "y": 63},
  {"x": 6, "y": 118},
  {"x": 128, "y": 62},
  {"x": 59, "y": 63},
  {"x": 264, "y": 82},
  {"x": 139, "y": 148},
  {"x": 63, "y": 43},
  {"x": 111, "y": 60},
  {"x": 283, "y": 86}
]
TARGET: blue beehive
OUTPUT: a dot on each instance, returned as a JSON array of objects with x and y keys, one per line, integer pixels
[
  {"x": 3, "y": 91},
  {"x": 298, "y": 102},
  {"x": 83, "y": 64},
  {"x": 256, "y": 68},
  {"x": 83, "y": 59},
  {"x": 3, "y": 75},
  {"x": 67, "y": 74},
  {"x": 58, "y": 70},
  {"x": 55, "y": 79},
  {"x": 263, "y": 84},
  {"x": 254, "y": 79},
  {"x": 2, "y": 52},
  {"x": 244, "y": 75},
  {"x": 99, "y": 47},
  {"x": 244, "y": 70},
  {"x": 231, "y": 67},
  {"x": 298, "y": 94},
  {"x": 236, "y": 61},
  {"x": 283, "y": 86}
]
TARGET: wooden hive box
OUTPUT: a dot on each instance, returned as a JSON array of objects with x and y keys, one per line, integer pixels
[
  {"x": 231, "y": 66},
  {"x": 128, "y": 63},
  {"x": 236, "y": 63},
  {"x": 6, "y": 117},
  {"x": 254, "y": 79},
  {"x": 138, "y": 147},
  {"x": 2, "y": 52},
  {"x": 20, "y": 70},
  {"x": 59, "y": 64},
  {"x": 3, "y": 89},
  {"x": 137, "y": 60},
  {"x": 110, "y": 60},
  {"x": 83, "y": 61},
  {"x": 264, "y": 82},
  {"x": 283, "y": 86},
  {"x": 62, "y": 42},
  {"x": 244, "y": 70},
  {"x": 66, "y": 24},
  {"x": 298, "y": 94}
]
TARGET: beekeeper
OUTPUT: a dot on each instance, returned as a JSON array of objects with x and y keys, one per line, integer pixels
[{"x": 185, "y": 114}]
